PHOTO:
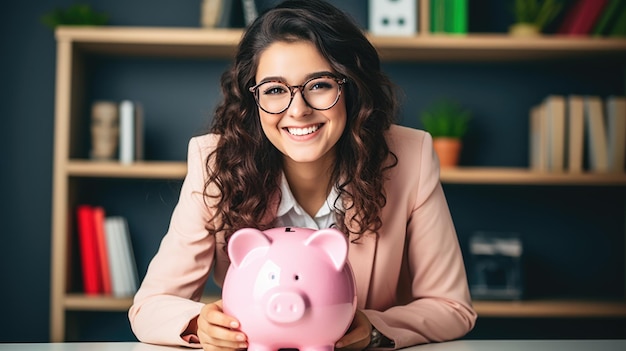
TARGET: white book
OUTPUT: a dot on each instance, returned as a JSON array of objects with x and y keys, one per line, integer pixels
[
  {"x": 126, "y": 279},
  {"x": 116, "y": 265},
  {"x": 597, "y": 139},
  {"x": 555, "y": 114},
  {"x": 128, "y": 257},
  {"x": 131, "y": 132},
  {"x": 616, "y": 128},
  {"x": 576, "y": 133},
  {"x": 393, "y": 17}
]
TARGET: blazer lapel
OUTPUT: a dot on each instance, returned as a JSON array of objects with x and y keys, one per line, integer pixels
[{"x": 361, "y": 257}]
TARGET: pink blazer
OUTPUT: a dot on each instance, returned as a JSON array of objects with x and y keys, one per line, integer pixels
[{"x": 411, "y": 282}]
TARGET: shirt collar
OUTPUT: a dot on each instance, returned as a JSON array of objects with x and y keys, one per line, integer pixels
[{"x": 288, "y": 201}]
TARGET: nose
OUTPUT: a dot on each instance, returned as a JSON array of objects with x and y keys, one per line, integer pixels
[
  {"x": 285, "y": 307},
  {"x": 299, "y": 106}
]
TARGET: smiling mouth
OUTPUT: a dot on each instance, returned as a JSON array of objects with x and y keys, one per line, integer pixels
[{"x": 304, "y": 131}]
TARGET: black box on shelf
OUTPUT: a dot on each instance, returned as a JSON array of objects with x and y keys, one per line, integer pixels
[{"x": 496, "y": 266}]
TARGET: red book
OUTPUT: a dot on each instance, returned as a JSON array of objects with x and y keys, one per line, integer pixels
[
  {"x": 92, "y": 281},
  {"x": 582, "y": 16},
  {"x": 98, "y": 215}
]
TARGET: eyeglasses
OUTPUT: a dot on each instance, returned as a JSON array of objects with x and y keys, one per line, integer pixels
[{"x": 320, "y": 93}]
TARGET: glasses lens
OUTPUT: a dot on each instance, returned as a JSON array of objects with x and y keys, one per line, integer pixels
[
  {"x": 321, "y": 93},
  {"x": 273, "y": 97}
]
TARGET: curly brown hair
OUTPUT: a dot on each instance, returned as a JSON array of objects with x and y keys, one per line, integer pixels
[{"x": 245, "y": 168}]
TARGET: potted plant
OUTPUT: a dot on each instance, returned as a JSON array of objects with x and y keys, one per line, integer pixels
[
  {"x": 531, "y": 16},
  {"x": 447, "y": 122},
  {"x": 74, "y": 15}
]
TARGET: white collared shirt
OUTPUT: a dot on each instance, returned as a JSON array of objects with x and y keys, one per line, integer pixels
[{"x": 290, "y": 213}]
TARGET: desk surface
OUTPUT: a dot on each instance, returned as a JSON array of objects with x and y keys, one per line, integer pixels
[{"x": 460, "y": 345}]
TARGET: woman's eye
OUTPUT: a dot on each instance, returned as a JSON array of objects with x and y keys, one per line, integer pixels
[
  {"x": 317, "y": 85},
  {"x": 273, "y": 90}
]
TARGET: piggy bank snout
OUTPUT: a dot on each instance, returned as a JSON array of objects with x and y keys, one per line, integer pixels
[{"x": 285, "y": 307}]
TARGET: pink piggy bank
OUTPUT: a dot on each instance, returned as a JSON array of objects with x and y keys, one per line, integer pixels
[{"x": 290, "y": 287}]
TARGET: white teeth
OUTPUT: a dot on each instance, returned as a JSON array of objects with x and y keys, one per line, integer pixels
[{"x": 303, "y": 131}]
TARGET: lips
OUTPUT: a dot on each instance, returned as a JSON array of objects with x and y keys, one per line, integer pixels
[{"x": 303, "y": 131}]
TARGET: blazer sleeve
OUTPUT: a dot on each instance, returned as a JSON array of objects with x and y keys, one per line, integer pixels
[
  {"x": 169, "y": 295},
  {"x": 433, "y": 279}
]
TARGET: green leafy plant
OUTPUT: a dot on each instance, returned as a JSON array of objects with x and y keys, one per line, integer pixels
[
  {"x": 537, "y": 12},
  {"x": 446, "y": 118},
  {"x": 77, "y": 14}
]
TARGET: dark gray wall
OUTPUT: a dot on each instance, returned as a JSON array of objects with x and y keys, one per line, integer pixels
[{"x": 574, "y": 236}]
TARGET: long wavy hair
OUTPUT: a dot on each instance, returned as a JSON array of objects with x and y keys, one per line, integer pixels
[{"x": 245, "y": 168}]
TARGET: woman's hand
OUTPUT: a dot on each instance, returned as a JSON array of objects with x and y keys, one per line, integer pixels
[
  {"x": 219, "y": 331},
  {"x": 358, "y": 335}
]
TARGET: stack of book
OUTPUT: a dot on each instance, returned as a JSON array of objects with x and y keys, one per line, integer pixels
[
  {"x": 107, "y": 258},
  {"x": 577, "y": 133}
]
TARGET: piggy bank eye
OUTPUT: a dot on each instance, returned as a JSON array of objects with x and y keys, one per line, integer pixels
[{"x": 296, "y": 277}]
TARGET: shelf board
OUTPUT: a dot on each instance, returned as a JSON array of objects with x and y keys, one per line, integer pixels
[
  {"x": 82, "y": 302},
  {"x": 551, "y": 309},
  {"x": 525, "y": 176},
  {"x": 143, "y": 169},
  {"x": 457, "y": 175},
  {"x": 503, "y": 309},
  {"x": 222, "y": 43}
]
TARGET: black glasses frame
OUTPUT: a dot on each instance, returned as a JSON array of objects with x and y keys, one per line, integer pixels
[{"x": 292, "y": 89}]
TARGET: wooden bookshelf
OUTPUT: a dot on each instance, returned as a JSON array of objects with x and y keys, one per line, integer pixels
[{"x": 74, "y": 44}]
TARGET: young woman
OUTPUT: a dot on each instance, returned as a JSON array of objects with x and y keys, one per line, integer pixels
[{"x": 304, "y": 137}]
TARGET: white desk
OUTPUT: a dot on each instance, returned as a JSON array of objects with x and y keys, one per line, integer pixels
[{"x": 461, "y": 345}]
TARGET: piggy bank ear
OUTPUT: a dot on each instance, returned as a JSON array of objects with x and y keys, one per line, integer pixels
[
  {"x": 246, "y": 243},
  {"x": 333, "y": 242}
]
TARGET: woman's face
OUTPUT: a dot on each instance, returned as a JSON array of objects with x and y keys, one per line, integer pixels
[{"x": 301, "y": 133}]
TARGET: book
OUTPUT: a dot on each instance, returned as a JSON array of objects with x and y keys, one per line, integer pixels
[
  {"x": 618, "y": 28},
  {"x": 596, "y": 140},
  {"x": 90, "y": 262},
  {"x": 616, "y": 129},
  {"x": 123, "y": 268},
  {"x": 98, "y": 219},
  {"x": 538, "y": 139},
  {"x": 250, "y": 12},
  {"x": 555, "y": 116},
  {"x": 575, "y": 125},
  {"x": 581, "y": 18},
  {"x": 211, "y": 11},
  {"x": 437, "y": 16},
  {"x": 131, "y": 132},
  {"x": 393, "y": 17},
  {"x": 608, "y": 17},
  {"x": 456, "y": 16}
]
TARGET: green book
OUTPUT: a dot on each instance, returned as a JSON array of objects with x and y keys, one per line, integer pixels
[
  {"x": 607, "y": 17},
  {"x": 437, "y": 16},
  {"x": 619, "y": 25},
  {"x": 456, "y": 12}
]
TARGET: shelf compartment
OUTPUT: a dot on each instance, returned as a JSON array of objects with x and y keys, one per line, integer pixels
[
  {"x": 222, "y": 43},
  {"x": 503, "y": 309}
]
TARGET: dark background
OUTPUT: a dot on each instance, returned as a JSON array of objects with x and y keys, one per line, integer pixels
[{"x": 573, "y": 236}]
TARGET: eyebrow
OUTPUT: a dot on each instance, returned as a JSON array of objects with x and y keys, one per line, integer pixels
[{"x": 308, "y": 76}]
